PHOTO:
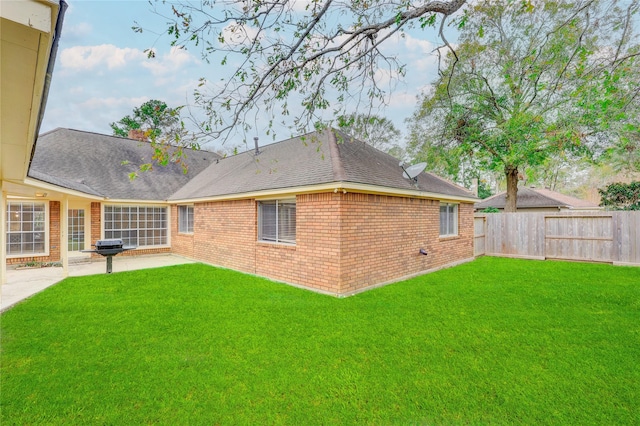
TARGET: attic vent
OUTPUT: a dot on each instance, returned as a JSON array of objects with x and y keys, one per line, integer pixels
[{"x": 255, "y": 141}]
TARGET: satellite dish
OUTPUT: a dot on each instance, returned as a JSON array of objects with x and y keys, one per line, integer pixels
[{"x": 412, "y": 172}]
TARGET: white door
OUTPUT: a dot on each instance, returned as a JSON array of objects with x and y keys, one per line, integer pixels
[{"x": 78, "y": 229}]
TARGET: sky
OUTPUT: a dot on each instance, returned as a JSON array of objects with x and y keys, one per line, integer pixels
[{"x": 102, "y": 72}]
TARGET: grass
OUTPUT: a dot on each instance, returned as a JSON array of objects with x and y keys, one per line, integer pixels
[{"x": 495, "y": 341}]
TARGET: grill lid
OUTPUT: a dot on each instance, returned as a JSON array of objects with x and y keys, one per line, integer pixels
[{"x": 109, "y": 244}]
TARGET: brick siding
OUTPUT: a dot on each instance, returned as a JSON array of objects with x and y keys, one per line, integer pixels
[{"x": 344, "y": 242}]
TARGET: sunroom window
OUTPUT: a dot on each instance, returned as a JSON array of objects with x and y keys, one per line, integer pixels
[{"x": 140, "y": 226}]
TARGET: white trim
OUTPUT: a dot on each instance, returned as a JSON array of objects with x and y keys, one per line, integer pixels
[
  {"x": 335, "y": 187},
  {"x": 31, "y": 14}
]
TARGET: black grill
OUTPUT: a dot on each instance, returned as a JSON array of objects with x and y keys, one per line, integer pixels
[{"x": 109, "y": 248}]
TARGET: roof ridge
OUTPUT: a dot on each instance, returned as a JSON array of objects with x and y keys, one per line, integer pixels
[{"x": 336, "y": 161}]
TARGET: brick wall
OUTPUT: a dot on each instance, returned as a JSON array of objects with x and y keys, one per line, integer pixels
[
  {"x": 382, "y": 237},
  {"x": 344, "y": 242},
  {"x": 180, "y": 243},
  {"x": 96, "y": 223},
  {"x": 54, "y": 239},
  {"x": 224, "y": 234},
  {"x": 315, "y": 259}
]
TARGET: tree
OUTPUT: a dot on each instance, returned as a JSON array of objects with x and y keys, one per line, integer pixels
[
  {"x": 164, "y": 129},
  {"x": 379, "y": 132},
  {"x": 530, "y": 80},
  {"x": 621, "y": 196},
  {"x": 294, "y": 58},
  {"x": 153, "y": 116}
]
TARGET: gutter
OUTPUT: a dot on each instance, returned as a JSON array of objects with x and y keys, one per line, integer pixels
[{"x": 47, "y": 79}]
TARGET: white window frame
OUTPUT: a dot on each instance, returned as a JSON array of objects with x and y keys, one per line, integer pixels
[
  {"x": 8, "y": 231},
  {"x": 108, "y": 232},
  {"x": 276, "y": 236},
  {"x": 185, "y": 211},
  {"x": 448, "y": 218}
]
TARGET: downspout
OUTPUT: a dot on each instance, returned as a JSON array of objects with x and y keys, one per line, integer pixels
[{"x": 47, "y": 79}]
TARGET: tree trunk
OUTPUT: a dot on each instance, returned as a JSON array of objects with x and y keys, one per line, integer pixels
[{"x": 511, "y": 172}]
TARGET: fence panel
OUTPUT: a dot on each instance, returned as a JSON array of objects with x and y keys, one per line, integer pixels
[
  {"x": 515, "y": 234},
  {"x": 626, "y": 230},
  {"x": 579, "y": 237},
  {"x": 585, "y": 236},
  {"x": 479, "y": 235}
]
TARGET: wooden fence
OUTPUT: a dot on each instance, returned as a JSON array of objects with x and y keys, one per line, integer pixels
[{"x": 612, "y": 237}]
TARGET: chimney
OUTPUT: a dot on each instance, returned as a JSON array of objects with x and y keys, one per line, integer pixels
[
  {"x": 255, "y": 140},
  {"x": 137, "y": 134}
]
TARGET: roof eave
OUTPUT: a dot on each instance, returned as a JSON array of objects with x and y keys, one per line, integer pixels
[
  {"x": 55, "y": 188},
  {"x": 328, "y": 187}
]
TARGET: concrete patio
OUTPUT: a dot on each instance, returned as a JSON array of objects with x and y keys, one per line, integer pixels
[{"x": 23, "y": 283}]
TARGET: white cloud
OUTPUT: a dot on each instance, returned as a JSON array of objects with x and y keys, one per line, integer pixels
[
  {"x": 87, "y": 58},
  {"x": 170, "y": 63}
]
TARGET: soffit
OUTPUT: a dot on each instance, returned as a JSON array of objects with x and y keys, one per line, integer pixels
[{"x": 26, "y": 29}]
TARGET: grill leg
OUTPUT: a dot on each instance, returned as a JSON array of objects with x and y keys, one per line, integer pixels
[{"x": 109, "y": 264}]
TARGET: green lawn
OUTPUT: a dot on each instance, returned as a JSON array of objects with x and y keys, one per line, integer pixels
[{"x": 495, "y": 341}]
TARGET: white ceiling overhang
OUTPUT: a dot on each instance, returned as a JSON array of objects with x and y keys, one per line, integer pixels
[{"x": 27, "y": 29}]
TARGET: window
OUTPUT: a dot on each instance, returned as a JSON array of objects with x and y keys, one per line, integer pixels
[
  {"x": 185, "y": 219},
  {"x": 139, "y": 226},
  {"x": 448, "y": 219},
  {"x": 26, "y": 233},
  {"x": 75, "y": 230},
  {"x": 277, "y": 221}
]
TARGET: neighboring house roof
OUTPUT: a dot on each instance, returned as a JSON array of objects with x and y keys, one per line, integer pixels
[
  {"x": 529, "y": 198},
  {"x": 93, "y": 164},
  {"x": 313, "y": 159}
]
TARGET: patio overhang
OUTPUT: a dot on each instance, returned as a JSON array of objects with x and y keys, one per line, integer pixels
[{"x": 29, "y": 31}]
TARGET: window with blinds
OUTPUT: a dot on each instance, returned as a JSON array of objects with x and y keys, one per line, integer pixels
[
  {"x": 277, "y": 221},
  {"x": 185, "y": 219},
  {"x": 448, "y": 220}
]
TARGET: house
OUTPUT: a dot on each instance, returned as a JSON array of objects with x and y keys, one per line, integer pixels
[
  {"x": 29, "y": 33},
  {"x": 538, "y": 200},
  {"x": 322, "y": 211},
  {"x": 89, "y": 172}
]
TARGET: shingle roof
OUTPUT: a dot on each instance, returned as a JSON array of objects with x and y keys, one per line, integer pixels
[
  {"x": 316, "y": 158},
  {"x": 93, "y": 164},
  {"x": 536, "y": 198}
]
